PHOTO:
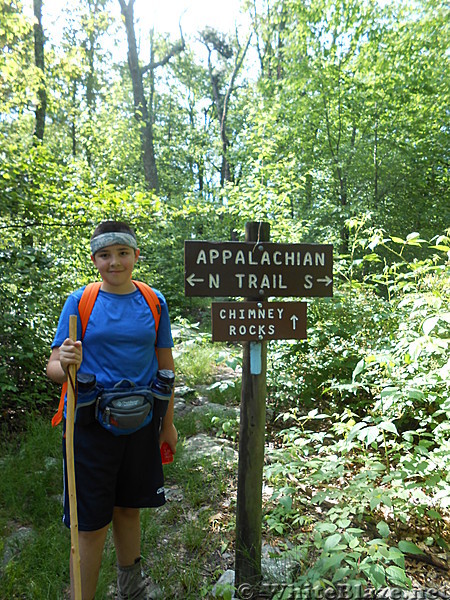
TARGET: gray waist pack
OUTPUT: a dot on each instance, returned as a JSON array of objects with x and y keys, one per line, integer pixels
[{"x": 125, "y": 408}]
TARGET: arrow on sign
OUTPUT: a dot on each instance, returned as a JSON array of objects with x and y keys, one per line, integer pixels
[
  {"x": 326, "y": 280},
  {"x": 294, "y": 320},
  {"x": 192, "y": 280}
]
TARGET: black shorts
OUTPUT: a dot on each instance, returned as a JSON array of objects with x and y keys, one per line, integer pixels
[{"x": 124, "y": 471}]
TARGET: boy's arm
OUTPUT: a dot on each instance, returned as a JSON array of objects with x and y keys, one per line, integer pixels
[
  {"x": 69, "y": 353},
  {"x": 168, "y": 432}
]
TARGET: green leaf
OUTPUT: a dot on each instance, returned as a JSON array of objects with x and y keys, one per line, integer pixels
[
  {"x": 374, "y": 502},
  {"x": 331, "y": 542},
  {"x": 326, "y": 527},
  {"x": 397, "y": 576},
  {"x": 441, "y": 543},
  {"x": 369, "y": 434},
  {"x": 332, "y": 561},
  {"x": 286, "y": 502},
  {"x": 383, "y": 529},
  {"x": 385, "y": 499},
  {"x": 409, "y": 547},
  {"x": 397, "y": 557},
  {"x": 441, "y": 247},
  {"x": 415, "y": 394},
  {"x": 377, "y": 576},
  {"x": 388, "y": 426},
  {"x": 429, "y": 325},
  {"x": 359, "y": 368},
  {"x": 389, "y": 391},
  {"x": 343, "y": 523},
  {"x": 341, "y": 573}
]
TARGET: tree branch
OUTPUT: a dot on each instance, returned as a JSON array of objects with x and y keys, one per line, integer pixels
[
  {"x": 237, "y": 66},
  {"x": 176, "y": 49}
]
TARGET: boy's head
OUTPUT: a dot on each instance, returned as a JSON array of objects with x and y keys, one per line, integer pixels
[{"x": 109, "y": 233}]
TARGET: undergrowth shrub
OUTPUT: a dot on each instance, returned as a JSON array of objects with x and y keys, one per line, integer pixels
[
  {"x": 197, "y": 359},
  {"x": 359, "y": 470},
  {"x": 346, "y": 495},
  {"x": 306, "y": 372}
]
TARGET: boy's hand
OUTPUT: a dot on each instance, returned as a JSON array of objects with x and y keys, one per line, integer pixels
[
  {"x": 169, "y": 434},
  {"x": 70, "y": 353}
]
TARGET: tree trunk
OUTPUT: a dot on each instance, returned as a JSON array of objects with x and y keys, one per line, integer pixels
[
  {"x": 143, "y": 114},
  {"x": 90, "y": 86},
  {"x": 375, "y": 160},
  {"x": 343, "y": 200},
  {"x": 140, "y": 103},
  {"x": 39, "y": 58},
  {"x": 73, "y": 125},
  {"x": 226, "y": 173}
]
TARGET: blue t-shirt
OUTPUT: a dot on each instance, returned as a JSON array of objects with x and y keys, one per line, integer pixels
[{"x": 119, "y": 342}]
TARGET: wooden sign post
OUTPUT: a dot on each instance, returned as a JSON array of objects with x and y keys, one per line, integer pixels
[
  {"x": 251, "y": 447},
  {"x": 255, "y": 270}
]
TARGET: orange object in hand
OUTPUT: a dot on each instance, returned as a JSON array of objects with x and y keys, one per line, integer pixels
[{"x": 166, "y": 454}]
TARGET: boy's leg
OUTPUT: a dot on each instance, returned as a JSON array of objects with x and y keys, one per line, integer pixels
[
  {"x": 91, "y": 545},
  {"x": 127, "y": 540},
  {"x": 127, "y": 535}
]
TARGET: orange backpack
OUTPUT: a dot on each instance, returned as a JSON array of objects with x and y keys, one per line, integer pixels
[{"x": 85, "y": 307}]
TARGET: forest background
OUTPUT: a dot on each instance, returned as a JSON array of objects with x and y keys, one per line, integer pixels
[{"x": 329, "y": 120}]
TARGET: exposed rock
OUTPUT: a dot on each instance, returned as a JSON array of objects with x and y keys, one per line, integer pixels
[
  {"x": 183, "y": 391},
  {"x": 181, "y": 408},
  {"x": 14, "y": 544},
  {"x": 225, "y": 582},
  {"x": 201, "y": 446},
  {"x": 217, "y": 409}
]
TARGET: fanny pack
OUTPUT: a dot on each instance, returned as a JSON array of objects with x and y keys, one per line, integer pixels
[{"x": 126, "y": 407}]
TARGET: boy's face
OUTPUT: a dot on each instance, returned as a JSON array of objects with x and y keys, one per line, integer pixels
[{"x": 115, "y": 264}]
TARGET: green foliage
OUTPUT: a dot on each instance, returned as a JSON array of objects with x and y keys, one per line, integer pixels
[
  {"x": 225, "y": 391},
  {"x": 50, "y": 258},
  {"x": 194, "y": 354},
  {"x": 30, "y": 488},
  {"x": 19, "y": 78},
  {"x": 376, "y": 458},
  {"x": 178, "y": 540},
  {"x": 341, "y": 138},
  {"x": 26, "y": 326},
  {"x": 335, "y": 128},
  {"x": 366, "y": 506}
]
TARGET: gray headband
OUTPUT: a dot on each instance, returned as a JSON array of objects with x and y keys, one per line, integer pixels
[{"x": 112, "y": 238}]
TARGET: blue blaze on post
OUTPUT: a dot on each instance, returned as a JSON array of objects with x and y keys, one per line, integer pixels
[{"x": 255, "y": 358}]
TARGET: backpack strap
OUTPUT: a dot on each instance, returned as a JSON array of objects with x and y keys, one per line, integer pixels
[
  {"x": 152, "y": 300},
  {"x": 86, "y": 304},
  {"x": 85, "y": 307},
  {"x": 57, "y": 417}
]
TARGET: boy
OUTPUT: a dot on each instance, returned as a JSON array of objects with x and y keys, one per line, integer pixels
[{"x": 115, "y": 475}]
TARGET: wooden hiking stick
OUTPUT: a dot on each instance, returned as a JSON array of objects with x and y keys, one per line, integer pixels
[{"x": 70, "y": 421}]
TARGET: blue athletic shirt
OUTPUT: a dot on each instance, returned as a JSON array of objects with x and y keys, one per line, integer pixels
[{"x": 119, "y": 342}]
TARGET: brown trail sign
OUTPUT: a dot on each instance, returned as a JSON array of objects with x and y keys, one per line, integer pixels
[
  {"x": 258, "y": 269},
  {"x": 255, "y": 269},
  {"x": 247, "y": 321}
]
